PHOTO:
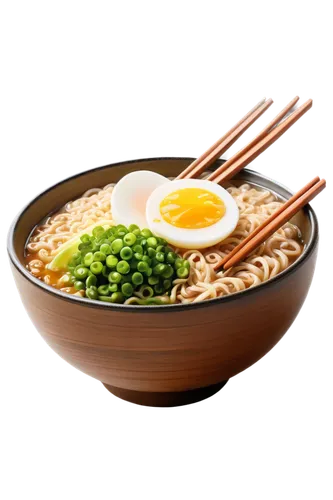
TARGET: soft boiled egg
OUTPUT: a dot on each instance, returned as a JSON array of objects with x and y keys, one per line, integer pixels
[
  {"x": 191, "y": 213},
  {"x": 130, "y": 195}
]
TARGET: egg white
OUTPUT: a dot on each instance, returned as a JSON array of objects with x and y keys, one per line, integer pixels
[
  {"x": 130, "y": 194},
  {"x": 191, "y": 238}
]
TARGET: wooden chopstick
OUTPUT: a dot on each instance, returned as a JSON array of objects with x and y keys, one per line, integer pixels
[
  {"x": 267, "y": 221},
  {"x": 255, "y": 141},
  {"x": 215, "y": 151},
  {"x": 270, "y": 138},
  {"x": 275, "y": 221}
]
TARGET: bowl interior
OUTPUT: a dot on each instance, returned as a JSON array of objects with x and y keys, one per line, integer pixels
[{"x": 57, "y": 196}]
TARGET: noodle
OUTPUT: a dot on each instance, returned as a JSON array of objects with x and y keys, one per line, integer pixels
[
  {"x": 255, "y": 206},
  {"x": 61, "y": 227},
  {"x": 272, "y": 257}
]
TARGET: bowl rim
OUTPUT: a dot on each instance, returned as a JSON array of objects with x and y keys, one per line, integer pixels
[{"x": 163, "y": 307}]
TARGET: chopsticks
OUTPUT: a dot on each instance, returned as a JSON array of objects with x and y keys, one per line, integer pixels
[
  {"x": 217, "y": 149},
  {"x": 255, "y": 148},
  {"x": 277, "y": 127},
  {"x": 272, "y": 224}
]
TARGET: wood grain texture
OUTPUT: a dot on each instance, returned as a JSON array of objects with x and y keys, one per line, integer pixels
[
  {"x": 262, "y": 145},
  {"x": 155, "y": 351},
  {"x": 211, "y": 155},
  {"x": 158, "y": 350},
  {"x": 272, "y": 223}
]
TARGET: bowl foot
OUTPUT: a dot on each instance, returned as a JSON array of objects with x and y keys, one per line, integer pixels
[{"x": 166, "y": 398}]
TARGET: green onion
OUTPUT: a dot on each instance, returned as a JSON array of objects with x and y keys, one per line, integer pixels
[
  {"x": 126, "y": 278},
  {"x": 101, "y": 241},
  {"x": 186, "y": 264},
  {"x": 147, "y": 259},
  {"x": 91, "y": 281},
  {"x": 84, "y": 246},
  {"x": 142, "y": 267},
  {"x": 99, "y": 257},
  {"x": 123, "y": 267},
  {"x": 71, "y": 280},
  {"x": 137, "y": 278},
  {"x": 81, "y": 272},
  {"x": 168, "y": 271},
  {"x": 105, "y": 271},
  {"x": 111, "y": 261},
  {"x": 158, "y": 289},
  {"x": 120, "y": 233},
  {"x": 146, "y": 233},
  {"x": 129, "y": 239},
  {"x": 146, "y": 291},
  {"x": 138, "y": 249},
  {"x": 171, "y": 257},
  {"x": 84, "y": 252},
  {"x": 96, "y": 267},
  {"x": 117, "y": 297},
  {"x": 109, "y": 232},
  {"x": 85, "y": 238},
  {"x": 114, "y": 277},
  {"x": 152, "y": 302},
  {"x": 98, "y": 231},
  {"x": 152, "y": 242},
  {"x": 75, "y": 261},
  {"x": 119, "y": 262},
  {"x": 153, "y": 280},
  {"x": 167, "y": 284},
  {"x": 126, "y": 252},
  {"x": 159, "y": 256},
  {"x": 113, "y": 287},
  {"x": 94, "y": 247},
  {"x": 103, "y": 290},
  {"x": 116, "y": 246},
  {"x": 182, "y": 272},
  {"x": 92, "y": 293},
  {"x": 105, "y": 298},
  {"x": 106, "y": 249},
  {"x": 159, "y": 268},
  {"x": 79, "y": 285},
  {"x": 127, "y": 289},
  {"x": 151, "y": 252},
  {"x": 88, "y": 259},
  {"x": 179, "y": 263}
]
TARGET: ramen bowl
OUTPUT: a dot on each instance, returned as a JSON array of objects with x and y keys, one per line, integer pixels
[{"x": 162, "y": 355}]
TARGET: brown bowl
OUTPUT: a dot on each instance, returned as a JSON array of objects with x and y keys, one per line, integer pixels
[{"x": 161, "y": 355}]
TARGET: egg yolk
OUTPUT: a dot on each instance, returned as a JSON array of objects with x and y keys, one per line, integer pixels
[{"x": 192, "y": 208}]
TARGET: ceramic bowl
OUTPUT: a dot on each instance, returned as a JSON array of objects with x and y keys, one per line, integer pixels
[{"x": 160, "y": 355}]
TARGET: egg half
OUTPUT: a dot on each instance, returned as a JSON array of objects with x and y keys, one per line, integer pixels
[
  {"x": 191, "y": 213},
  {"x": 130, "y": 195}
]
